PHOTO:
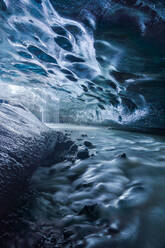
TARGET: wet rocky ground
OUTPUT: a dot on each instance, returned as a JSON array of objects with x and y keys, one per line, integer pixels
[{"x": 110, "y": 193}]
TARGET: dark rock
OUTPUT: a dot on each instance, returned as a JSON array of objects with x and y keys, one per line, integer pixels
[
  {"x": 91, "y": 211},
  {"x": 65, "y": 149},
  {"x": 122, "y": 156},
  {"x": 71, "y": 153},
  {"x": 68, "y": 232},
  {"x": 84, "y": 135},
  {"x": 88, "y": 144},
  {"x": 113, "y": 229},
  {"x": 83, "y": 154}
]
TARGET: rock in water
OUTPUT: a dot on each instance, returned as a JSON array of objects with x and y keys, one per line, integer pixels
[
  {"x": 88, "y": 144},
  {"x": 83, "y": 154},
  {"x": 25, "y": 143}
]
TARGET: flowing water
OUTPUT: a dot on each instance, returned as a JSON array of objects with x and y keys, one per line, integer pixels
[{"x": 114, "y": 198}]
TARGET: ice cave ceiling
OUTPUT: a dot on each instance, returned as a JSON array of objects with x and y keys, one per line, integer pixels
[{"x": 93, "y": 62}]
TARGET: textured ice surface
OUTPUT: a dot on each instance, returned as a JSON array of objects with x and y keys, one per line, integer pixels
[
  {"x": 25, "y": 144},
  {"x": 99, "y": 61}
]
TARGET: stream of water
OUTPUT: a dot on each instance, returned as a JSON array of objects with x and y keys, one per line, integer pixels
[{"x": 115, "y": 198}]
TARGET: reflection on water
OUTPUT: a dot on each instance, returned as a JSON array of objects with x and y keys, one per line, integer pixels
[{"x": 115, "y": 198}]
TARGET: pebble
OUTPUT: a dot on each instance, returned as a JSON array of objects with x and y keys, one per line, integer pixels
[
  {"x": 88, "y": 144},
  {"x": 83, "y": 154}
]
